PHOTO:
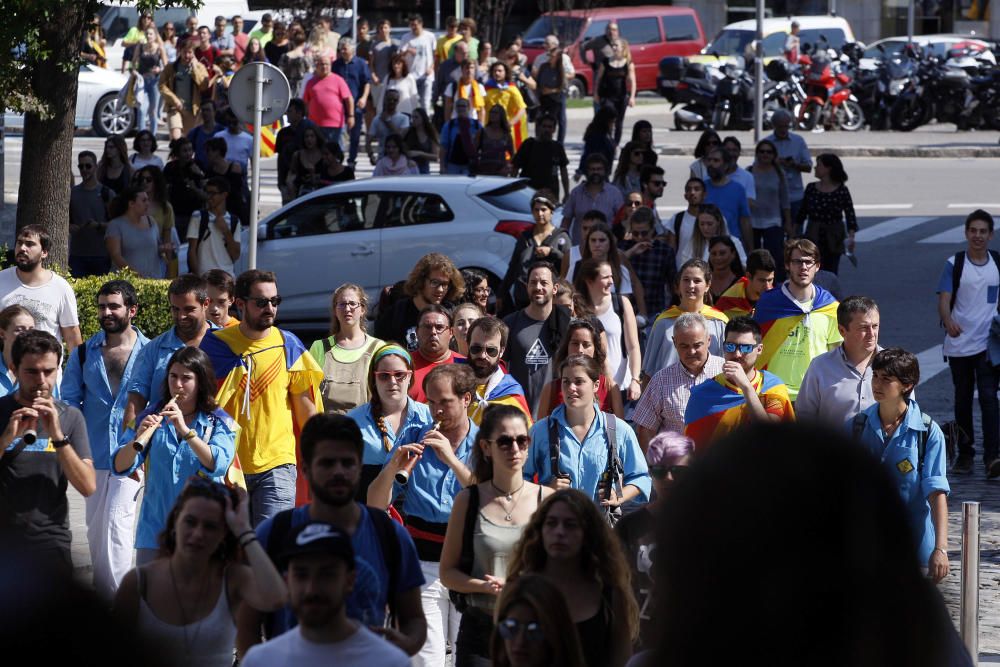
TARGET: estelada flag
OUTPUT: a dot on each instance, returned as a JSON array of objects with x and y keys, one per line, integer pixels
[
  {"x": 777, "y": 315},
  {"x": 268, "y": 137},
  {"x": 717, "y": 407}
]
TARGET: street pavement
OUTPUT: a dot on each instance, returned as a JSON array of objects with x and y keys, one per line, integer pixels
[{"x": 911, "y": 209}]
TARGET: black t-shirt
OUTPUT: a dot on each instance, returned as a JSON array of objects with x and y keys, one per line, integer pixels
[
  {"x": 637, "y": 532},
  {"x": 540, "y": 162},
  {"x": 399, "y": 324},
  {"x": 33, "y": 484}
]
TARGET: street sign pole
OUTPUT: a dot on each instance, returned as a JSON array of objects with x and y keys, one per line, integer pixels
[
  {"x": 258, "y": 104},
  {"x": 910, "y": 16},
  {"x": 354, "y": 22},
  {"x": 758, "y": 73}
]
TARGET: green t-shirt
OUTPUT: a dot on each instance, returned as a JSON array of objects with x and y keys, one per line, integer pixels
[
  {"x": 134, "y": 35},
  {"x": 262, "y": 37},
  {"x": 342, "y": 355},
  {"x": 813, "y": 336}
]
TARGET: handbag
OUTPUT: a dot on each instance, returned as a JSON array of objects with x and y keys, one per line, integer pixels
[{"x": 468, "y": 556}]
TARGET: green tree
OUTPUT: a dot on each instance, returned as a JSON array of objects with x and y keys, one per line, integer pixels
[{"x": 38, "y": 77}]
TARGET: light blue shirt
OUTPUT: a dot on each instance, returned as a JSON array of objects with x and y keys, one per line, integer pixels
[
  {"x": 585, "y": 462},
  {"x": 171, "y": 463},
  {"x": 151, "y": 366},
  {"x": 432, "y": 488},
  {"x": 88, "y": 389},
  {"x": 8, "y": 385},
  {"x": 418, "y": 417},
  {"x": 899, "y": 457}
]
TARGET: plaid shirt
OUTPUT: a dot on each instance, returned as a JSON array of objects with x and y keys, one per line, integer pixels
[
  {"x": 656, "y": 268},
  {"x": 661, "y": 407}
]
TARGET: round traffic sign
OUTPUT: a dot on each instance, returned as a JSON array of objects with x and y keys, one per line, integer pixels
[{"x": 274, "y": 96}]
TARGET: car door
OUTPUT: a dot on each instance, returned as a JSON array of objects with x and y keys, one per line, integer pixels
[
  {"x": 681, "y": 35},
  {"x": 414, "y": 224},
  {"x": 319, "y": 244},
  {"x": 644, "y": 41}
]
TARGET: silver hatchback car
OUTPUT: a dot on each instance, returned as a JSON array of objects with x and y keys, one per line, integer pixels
[{"x": 372, "y": 232}]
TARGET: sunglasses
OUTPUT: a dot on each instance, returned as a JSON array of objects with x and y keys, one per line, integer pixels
[
  {"x": 510, "y": 627},
  {"x": 505, "y": 442},
  {"x": 398, "y": 376},
  {"x": 489, "y": 350},
  {"x": 744, "y": 348},
  {"x": 660, "y": 472},
  {"x": 635, "y": 204},
  {"x": 262, "y": 302}
]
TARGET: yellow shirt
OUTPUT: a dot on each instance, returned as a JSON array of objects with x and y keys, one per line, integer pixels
[
  {"x": 813, "y": 336},
  {"x": 444, "y": 45}
]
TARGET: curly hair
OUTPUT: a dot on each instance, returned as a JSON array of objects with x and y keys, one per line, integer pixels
[
  {"x": 421, "y": 273},
  {"x": 600, "y": 354},
  {"x": 201, "y": 487},
  {"x": 601, "y": 556}
]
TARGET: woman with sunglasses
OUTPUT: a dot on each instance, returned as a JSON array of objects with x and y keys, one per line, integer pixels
[
  {"x": 668, "y": 456},
  {"x": 168, "y": 35},
  {"x": 502, "y": 502},
  {"x": 152, "y": 181},
  {"x": 210, "y": 564},
  {"x": 770, "y": 212},
  {"x": 185, "y": 434},
  {"x": 534, "y": 626},
  {"x": 132, "y": 237},
  {"x": 582, "y": 337},
  {"x": 569, "y": 542},
  {"x": 347, "y": 353},
  {"x": 630, "y": 162},
  {"x": 391, "y": 417},
  {"x": 708, "y": 140},
  {"x": 543, "y": 241}
]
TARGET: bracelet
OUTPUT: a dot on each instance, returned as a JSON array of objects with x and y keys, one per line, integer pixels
[
  {"x": 190, "y": 435},
  {"x": 245, "y": 543},
  {"x": 57, "y": 444},
  {"x": 245, "y": 533},
  {"x": 941, "y": 550}
]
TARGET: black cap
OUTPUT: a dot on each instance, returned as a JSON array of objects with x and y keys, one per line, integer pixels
[{"x": 317, "y": 538}]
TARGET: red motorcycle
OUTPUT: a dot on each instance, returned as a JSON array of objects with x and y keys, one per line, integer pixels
[{"x": 829, "y": 101}]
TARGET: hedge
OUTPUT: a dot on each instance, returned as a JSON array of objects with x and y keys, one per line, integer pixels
[{"x": 153, "y": 317}]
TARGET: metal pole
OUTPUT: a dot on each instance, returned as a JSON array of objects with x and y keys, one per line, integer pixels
[
  {"x": 459, "y": 6},
  {"x": 437, "y": 14},
  {"x": 910, "y": 15},
  {"x": 258, "y": 104},
  {"x": 354, "y": 22},
  {"x": 833, "y": 8},
  {"x": 758, "y": 73},
  {"x": 970, "y": 579}
]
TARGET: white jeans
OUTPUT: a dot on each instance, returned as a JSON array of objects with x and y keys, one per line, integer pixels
[
  {"x": 111, "y": 530},
  {"x": 442, "y": 619}
]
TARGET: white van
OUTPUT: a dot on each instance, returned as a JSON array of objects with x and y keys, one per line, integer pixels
[{"x": 734, "y": 39}]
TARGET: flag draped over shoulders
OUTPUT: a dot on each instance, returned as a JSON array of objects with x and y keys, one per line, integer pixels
[
  {"x": 778, "y": 315},
  {"x": 717, "y": 407},
  {"x": 673, "y": 312},
  {"x": 733, "y": 301}
]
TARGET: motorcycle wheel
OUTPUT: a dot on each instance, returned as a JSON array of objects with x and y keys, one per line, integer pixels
[
  {"x": 851, "y": 117},
  {"x": 809, "y": 117},
  {"x": 686, "y": 127},
  {"x": 907, "y": 114}
]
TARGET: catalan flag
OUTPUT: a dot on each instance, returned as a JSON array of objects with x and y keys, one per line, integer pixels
[
  {"x": 733, "y": 301},
  {"x": 717, "y": 407},
  {"x": 268, "y": 137},
  {"x": 778, "y": 315},
  {"x": 673, "y": 312}
]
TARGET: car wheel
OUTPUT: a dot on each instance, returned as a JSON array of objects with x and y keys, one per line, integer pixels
[
  {"x": 576, "y": 89},
  {"x": 110, "y": 117}
]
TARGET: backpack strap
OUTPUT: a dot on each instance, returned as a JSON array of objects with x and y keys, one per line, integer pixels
[
  {"x": 327, "y": 345},
  {"x": 203, "y": 225},
  {"x": 858, "y": 425},
  {"x": 392, "y": 553},
  {"x": 82, "y": 356},
  {"x": 615, "y": 466},
  {"x": 553, "y": 446},
  {"x": 280, "y": 525},
  {"x": 678, "y": 221},
  {"x": 956, "y": 277},
  {"x": 922, "y": 442}
]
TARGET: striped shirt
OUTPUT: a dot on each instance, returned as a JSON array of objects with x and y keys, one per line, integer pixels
[{"x": 662, "y": 405}]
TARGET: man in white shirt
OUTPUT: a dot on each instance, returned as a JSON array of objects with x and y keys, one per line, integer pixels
[
  {"x": 49, "y": 297},
  {"x": 320, "y": 575},
  {"x": 417, "y": 46},
  {"x": 387, "y": 123},
  {"x": 239, "y": 142},
  {"x": 212, "y": 243}
]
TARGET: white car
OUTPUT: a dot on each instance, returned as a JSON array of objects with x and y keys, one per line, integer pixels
[
  {"x": 97, "y": 106},
  {"x": 372, "y": 232},
  {"x": 937, "y": 45}
]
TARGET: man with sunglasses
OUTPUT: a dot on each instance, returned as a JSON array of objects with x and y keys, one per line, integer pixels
[
  {"x": 652, "y": 258},
  {"x": 434, "y": 334},
  {"x": 88, "y": 220},
  {"x": 652, "y": 182},
  {"x": 212, "y": 241},
  {"x": 262, "y": 371},
  {"x": 487, "y": 342},
  {"x": 740, "y": 394}
]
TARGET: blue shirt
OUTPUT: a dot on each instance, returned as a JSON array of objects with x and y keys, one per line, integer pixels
[
  {"x": 171, "y": 463},
  {"x": 899, "y": 457},
  {"x": 151, "y": 365},
  {"x": 731, "y": 199},
  {"x": 355, "y": 73},
  {"x": 370, "y": 594},
  {"x": 88, "y": 389},
  {"x": 432, "y": 488},
  {"x": 418, "y": 417},
  {"x": 8, "y": 385},
  {"x": 586, "y": 461}
]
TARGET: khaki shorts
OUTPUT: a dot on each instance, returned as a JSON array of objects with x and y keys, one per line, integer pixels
[{"x": 183, "y": 120}]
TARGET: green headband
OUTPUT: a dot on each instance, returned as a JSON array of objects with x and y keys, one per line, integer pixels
[{"x": 392, "y": 348}]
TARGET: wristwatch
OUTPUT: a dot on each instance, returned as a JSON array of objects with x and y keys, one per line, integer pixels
[
  {"x": 59, "y": 444},
  {"x": 190, "y": 435}
]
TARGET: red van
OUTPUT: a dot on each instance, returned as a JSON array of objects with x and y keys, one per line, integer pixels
[{"x": 652, "y": 32}]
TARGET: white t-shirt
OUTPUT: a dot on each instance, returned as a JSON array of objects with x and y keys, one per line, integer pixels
[
  {"x": 975, "y": 305},
  {"x": 212, "y": 251},
  {"x": 361, "y": 649},
  {"x": 452, "y": 92},
  {"x": 139, "y": 162},
  {"x": 53, "y": 305},
  {"x": 685, "y": 242},
  {"x": 424, "y": 56}
]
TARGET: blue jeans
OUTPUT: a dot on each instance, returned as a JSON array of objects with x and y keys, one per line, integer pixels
[
  {"x": 355, "y": 142},
  {"x": 969, "y": 374},
  {"x": 555, "y": 105},
  {"x": 271, "y": 492},
  {"x": 332, "y": 133},
  {"x": 149, "y": 111}
]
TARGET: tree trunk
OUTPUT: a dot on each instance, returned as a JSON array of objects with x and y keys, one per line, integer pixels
[{"x": 47, "y": 153}]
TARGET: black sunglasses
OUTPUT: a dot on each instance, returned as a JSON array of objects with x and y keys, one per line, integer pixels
[
  {"x": 509, "y": 628},
  {"x": 506, "y": 442},
  {"x": 489, "y": 350},
  {"x": 261, "y": 302},
  {"x": 660, "y": 472}
]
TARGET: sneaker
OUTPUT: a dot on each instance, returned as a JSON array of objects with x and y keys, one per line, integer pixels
[
  {"x": 963, "y": 466},
  {"x": 993, "y": 469}
]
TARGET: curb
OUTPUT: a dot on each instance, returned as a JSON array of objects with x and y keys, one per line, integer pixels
[{"x": 879, "y": 151}]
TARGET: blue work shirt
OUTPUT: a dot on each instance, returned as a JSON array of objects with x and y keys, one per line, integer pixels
[
  {"x": 88, "y": 389},
  {"x": 355, "y": 72},
  {"x": 899, "y": 457},
  {"x": 8, "y": 385},
  {"x": 171, "y": 463},
  {"x": 151, "y": 366},
  {"x": 418, "y": 417},
  {"x": 432, "y": 488},
  {"x": 585, "y": 462}
]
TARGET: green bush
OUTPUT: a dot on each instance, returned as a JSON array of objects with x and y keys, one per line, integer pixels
[{"x": 153, "y": 317}]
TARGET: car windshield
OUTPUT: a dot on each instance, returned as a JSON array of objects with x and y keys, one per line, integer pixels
[
  {"x": 513, "y": 198},
  {"x": 566, "y": 28},
  {"x": 729, "y": 43}
]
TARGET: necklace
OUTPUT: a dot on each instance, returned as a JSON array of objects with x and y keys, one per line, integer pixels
[
  {"x": 890, "y": 428},
  {"x": 184, "y": 616},
  {"x": 509, "y": 495}
]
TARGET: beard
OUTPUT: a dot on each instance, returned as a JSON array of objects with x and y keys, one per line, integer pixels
[
  {"x": 483, "y": 369},
  {"x": 27, "y": 265},
  {"x": 336, "y": 496},
  {"x": 113, "y": 325},
  {"x": 321, "y": 614},
  {"x": 261, "y": 323}
]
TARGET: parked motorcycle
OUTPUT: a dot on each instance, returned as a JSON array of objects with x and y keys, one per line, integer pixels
[
  {"x": 735, "y": 95},
  {"x": 829, "y": 101},
  {"x": 947, "y": 94},
  {"x": 690, "y": 85}
]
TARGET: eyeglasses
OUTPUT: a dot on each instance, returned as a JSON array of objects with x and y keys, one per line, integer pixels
[
  {"x": 744, "y": 348},
  {"x": 436, "y": 328},
  {"x": 510, "y": 627},
  {"x": 506, "y": 442},
  {"x": 438, "y": 284},
  {"x": 804, "y": 262},
  {"x": 660, "y": 472},
  {"x": 398, "y": 376},
  {"x": 347, "y": 305},
  {"x": 634, "y": 204},
  {"x": 489, "y": 350},
  {"x": 261, "y": 302}
]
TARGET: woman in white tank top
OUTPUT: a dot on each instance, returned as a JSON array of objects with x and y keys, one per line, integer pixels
[{"x": 184, "y": 601}]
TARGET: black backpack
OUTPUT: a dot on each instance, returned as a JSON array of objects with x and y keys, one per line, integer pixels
[
  {"x": 203, "y": 231},
  {"x": 956, "y": 275}
]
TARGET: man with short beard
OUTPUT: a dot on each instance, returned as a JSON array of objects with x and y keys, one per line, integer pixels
[
  {"x": 95, "y": 382},
  {"x": 434, "y": 334},
  {"x": 188, "y": 296},
  {"x": 594, "y": 193},
  {"x": 383, "y": 551},
  {"x": 262, "y": 372},
  {"x": 48, "y": 296},
  {"x": 487, "y": 342},
  {"x": 729, "y": 196}
]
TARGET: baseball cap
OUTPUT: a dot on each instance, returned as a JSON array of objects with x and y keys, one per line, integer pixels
[{"x": 317, "y": 538}]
